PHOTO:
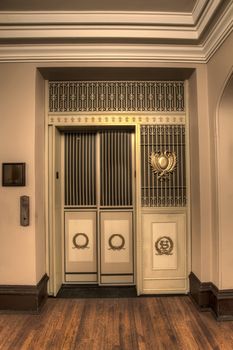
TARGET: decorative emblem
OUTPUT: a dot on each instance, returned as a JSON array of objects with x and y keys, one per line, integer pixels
[
  {"x": 163, "y": 163},
  {"x": 80, "y": 245},
  {"x": 164, "y": 246},
  {"x": 119, "y": 242}
]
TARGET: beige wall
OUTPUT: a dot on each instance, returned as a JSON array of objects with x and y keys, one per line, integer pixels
[
  {"x": 219, "y": 69},
  {"x": 22, "y": 249},
  {"x": 39, "y": 131},
  {"x": 18, "y": 253},
  {"x": 200, "y": 174}
]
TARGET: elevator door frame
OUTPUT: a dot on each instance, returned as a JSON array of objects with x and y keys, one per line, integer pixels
[{"x": 55, "y": 245}]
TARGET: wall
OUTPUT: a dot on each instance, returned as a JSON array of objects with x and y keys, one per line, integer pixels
[
  {"x": 219, "y": 69},
  {"x": 40, "y": 176},
  {"x": 17, "y": 144},
  {"x": 200, "y": 175},
  {"x": 22, "y": 249}
]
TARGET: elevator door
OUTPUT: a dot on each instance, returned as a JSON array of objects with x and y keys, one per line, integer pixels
[{"x": 98, "y": 207}]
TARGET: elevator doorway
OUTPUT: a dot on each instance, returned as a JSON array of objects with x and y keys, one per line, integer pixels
[{"x": 98, "y": 187}]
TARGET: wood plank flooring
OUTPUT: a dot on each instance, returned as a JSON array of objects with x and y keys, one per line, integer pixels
[{"x": 143, "y": 323}]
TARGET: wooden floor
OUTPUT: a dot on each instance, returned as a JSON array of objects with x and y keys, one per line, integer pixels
[{"x": 104, "y": 324}]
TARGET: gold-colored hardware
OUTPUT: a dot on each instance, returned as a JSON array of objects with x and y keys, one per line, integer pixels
[
  {"x": 164, "y": 246},
  {"x": 163, "y": 163}
]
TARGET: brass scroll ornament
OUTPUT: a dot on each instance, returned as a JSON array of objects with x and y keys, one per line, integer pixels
[
  {"x": 163, "y": 163},
  {"x": 78, "y": 245},
  {"x": 116, "y": 246}
]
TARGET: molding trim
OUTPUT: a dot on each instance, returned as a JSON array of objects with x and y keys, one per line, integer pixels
[
  {"x": 209, "y": 298},
  {"x": 24, "y": 298},
  {"x": 101, "y": 52},
  {"x": 95, "y": 17},
  {"x": 113, "y": 37},
  {"x": 123, "y": 118},
  {"x": 221, "y": 30}
]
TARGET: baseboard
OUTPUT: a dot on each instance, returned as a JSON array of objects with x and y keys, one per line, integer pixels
[
  {"x": 208, "y": 297},
  {"x": 24, "y": 298}
]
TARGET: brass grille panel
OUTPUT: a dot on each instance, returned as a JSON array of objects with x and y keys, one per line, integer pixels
[
  {"x": 116, "y": 96},
  {"x": 115, "y": 168},
  {"x": 80, "y": 169},
  {"x": 169, "y": 190}
]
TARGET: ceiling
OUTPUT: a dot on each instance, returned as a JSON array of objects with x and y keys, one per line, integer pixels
[{"x": 99, "y": 5}]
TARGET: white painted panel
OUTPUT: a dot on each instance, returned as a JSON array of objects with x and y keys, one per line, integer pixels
[
  {"x": 164, "y": 245},
  {"x": 162, "y": 273},
  {"x": 80, "y": 243},
  {"x": 116, "y": 234},
  {"x": 116, "y": 230},
  {"x": 85, "y": 227}
]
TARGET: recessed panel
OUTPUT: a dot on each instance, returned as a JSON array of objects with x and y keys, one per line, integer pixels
[
  {"x": 116, "y": 241},
  {"x": 80, "y": 240},
  {"x": 80, "y": 244},
  {"x": 164, "y": 253},
  {"x": 116, "y": 236},
  {"x": 164, "y": 245}
]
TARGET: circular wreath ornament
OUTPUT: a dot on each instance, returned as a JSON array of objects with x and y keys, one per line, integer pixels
[
  {"x": 164, "y": 246},
  {"x": 80, "y": 245},
  {"x": 115, "y": 245}
]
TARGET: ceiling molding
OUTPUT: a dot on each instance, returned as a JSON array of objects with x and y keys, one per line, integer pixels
[
  {"x": 97, "y": 32},
  {"x": 97, "y": 17},
  {"x": 118, "y": 52},
  {"x": 123, "y": 24},
  {"x": 206, "y": 16},
  {"x": 221, "y": 30},
  {"x": 100, "y": 53},
  {"x": 197, "y": 10}
]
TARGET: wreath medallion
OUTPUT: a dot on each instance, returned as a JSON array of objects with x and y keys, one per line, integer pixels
[
  {"x": 114, "y": 246},
  {"x": 78, "y": 245},
  {"x": 164, "y": 246}
]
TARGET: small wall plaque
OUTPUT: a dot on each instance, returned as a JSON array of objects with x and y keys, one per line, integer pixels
[{"x": 13, "y": 174}]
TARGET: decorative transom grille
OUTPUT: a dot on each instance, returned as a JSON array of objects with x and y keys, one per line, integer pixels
[
  {"x": 163, "y": 182},
  {"x": 116, "y": 96}
]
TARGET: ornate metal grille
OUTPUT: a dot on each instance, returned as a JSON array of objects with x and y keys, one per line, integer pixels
[
  {"x": 116, "y": 96},
  {"x": 115, "y": 168},
  {"x": 80, "y": 169},
  {"x": 167, "y": 188}
]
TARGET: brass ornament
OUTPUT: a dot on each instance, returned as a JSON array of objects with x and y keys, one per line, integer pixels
[
  {"x": 80, "y": 246},
  {"x": 116, "y": 246},
  {"x": 164, "y": 246},
  {"x": 163, "y": 163}
]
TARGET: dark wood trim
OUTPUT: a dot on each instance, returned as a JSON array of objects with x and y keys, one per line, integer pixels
[
  {"x": 24, "y": 298},
  {"x": 208, "y": 297}
]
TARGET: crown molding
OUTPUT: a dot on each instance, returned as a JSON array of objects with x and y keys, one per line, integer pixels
[
  {"x": 221, "y": 30},
  {"x": 99, "y": 24},
  {"x": 100, "y": 53},
  {"x": 118, "y": 52},
  {"x": 97, "y": 32},
  {"x": 205, "y": 16},
  {"x": 197, "y": 10},
  {"x": 95, "y": 17}
]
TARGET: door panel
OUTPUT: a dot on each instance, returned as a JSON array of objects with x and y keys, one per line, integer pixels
[
  {"x": 80, "y": 246},
  {"x": 116, "y": 247},
  {"x": 98, "y": 177}
]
